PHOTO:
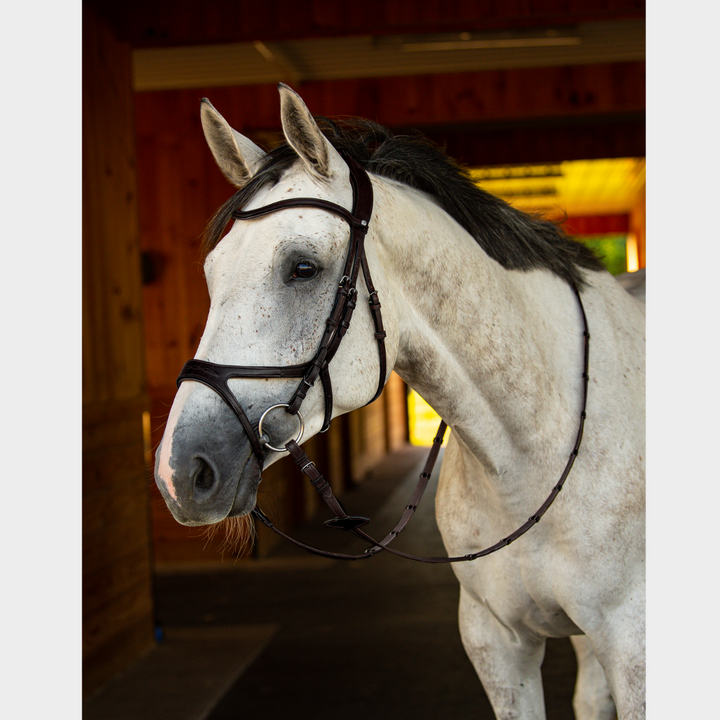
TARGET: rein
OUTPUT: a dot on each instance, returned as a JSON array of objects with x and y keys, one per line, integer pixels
[{"x": 216, "y": 377}]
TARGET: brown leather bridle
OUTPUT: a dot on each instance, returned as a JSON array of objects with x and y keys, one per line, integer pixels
[{"x": 216, "y": 377}]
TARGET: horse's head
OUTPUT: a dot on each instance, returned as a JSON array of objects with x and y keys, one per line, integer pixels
[{"x": 273, "y": 282}]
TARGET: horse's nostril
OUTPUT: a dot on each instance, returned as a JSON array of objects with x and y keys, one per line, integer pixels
[{"x": 204, "y": 476}]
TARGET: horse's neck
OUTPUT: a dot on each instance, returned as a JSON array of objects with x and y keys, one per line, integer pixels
[{"x": 497, "y": 353}]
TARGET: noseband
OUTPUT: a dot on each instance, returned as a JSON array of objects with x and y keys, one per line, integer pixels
[{"x": 216, "y": 377}]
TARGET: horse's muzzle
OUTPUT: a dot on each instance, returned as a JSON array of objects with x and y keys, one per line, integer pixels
[{"x": 202, "y": 485}]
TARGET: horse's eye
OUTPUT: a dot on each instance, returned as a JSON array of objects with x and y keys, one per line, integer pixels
[{"x": 305, "y": 270}]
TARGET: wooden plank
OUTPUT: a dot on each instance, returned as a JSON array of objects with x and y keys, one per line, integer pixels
[
  {"x": 105, "y": 590},
  {"x": 368, "y": 442},
  {"x": 483, "y": 96},
  {"x": 126, "y": 609},
  {"x": 112, "y": 339},
  {"x": 112, "y": 425},
  {"x": 116, "y": 470},
  {"x": 596, "y": 224},
  {"x": 396, "y": 412},
  {"x": 115, "y": 515},
  {"x": 117, "y": 594},
  {"x": 338, "y": 455},
  {"x": 557, "y": 140},
  {"x": 173, "y": 211}
]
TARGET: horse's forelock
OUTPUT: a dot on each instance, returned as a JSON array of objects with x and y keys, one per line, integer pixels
[{"x": 275, "y": 163}]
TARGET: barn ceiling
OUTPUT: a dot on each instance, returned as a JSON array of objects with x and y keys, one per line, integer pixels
[
  {"x": 175, "y": 57},
  {"x": 334, "y": 58}
]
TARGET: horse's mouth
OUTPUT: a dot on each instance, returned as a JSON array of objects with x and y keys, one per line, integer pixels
[{"x": 246, "y": 493}]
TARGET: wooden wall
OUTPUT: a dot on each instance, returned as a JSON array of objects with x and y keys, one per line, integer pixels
[{"x": 117, "y": 599}]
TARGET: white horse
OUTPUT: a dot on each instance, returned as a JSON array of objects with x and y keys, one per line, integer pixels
[{"x": 482, "y": 320}]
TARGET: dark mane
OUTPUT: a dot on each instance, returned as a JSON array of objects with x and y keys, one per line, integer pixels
[{"x": 516, "y": 240}]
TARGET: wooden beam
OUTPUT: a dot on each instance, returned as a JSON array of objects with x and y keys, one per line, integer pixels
[
  {"x": 165, "y": 23},
  {"x": 518, "y": 143},
  {"x": 491, "y": 96},
  {"x": 482, "y": 96},
  {"x": 483, "y": 118},
  {"x": 584, "y": 225}
]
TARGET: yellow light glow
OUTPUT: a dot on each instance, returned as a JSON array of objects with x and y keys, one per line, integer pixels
[
  {"x": 147, "y": 442},
  {"x": 577, "y": 187},
  {"x": 423, "y": 421},
  {"x": 631, "y": 252}
]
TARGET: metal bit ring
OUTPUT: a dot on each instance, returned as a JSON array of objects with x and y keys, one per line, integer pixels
[{"x": 299, "y": 435}]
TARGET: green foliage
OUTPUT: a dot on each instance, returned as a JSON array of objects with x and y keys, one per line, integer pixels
[{"x": 611, "y": 250}]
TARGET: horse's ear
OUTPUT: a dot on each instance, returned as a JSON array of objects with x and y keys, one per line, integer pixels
[
  {"x": 305, "y": 137},
  {"x": 237, "y": 157}
]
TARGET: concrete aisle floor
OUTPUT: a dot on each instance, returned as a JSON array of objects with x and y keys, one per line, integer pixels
[{"x": 296, "y": 636}]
